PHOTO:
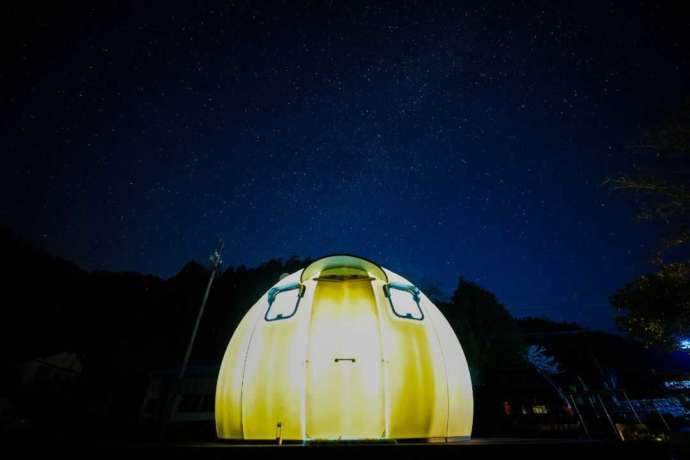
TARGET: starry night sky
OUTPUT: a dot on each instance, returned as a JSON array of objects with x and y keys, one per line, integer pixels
[{"x": 440, "y": 140}]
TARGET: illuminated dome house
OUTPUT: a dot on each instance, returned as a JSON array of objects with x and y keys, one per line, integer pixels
[{"x": 343, "y": 350}]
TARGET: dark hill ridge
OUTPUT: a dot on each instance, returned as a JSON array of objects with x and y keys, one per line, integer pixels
[
  {"x": 120, "y": 327},
  {"x": 121, "y": 319},
  {"x": 143, "y": 321}
]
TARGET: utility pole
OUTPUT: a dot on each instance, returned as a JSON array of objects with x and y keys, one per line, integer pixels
[
  {"x": 171, "y": 407},
  {"x": 215, "y": 265}
]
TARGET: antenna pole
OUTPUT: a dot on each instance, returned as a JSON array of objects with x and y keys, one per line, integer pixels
[
  {"x": 215, "y": 265},
  {"x": 177, "y": 388}
]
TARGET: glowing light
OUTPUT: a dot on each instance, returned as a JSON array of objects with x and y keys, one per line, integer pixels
[
  {"x": 341, "y": 355},
  {"x": 677, "y": 384}
]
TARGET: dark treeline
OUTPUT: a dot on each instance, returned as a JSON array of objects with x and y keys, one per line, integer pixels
[
  {"x": 107, "y": 317},
  {"x": 121, "y": 326},
  {"x": 124, "y": 326}
]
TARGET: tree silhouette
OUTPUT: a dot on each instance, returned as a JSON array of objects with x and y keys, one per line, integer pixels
[
  {"x": 546, "y": 366},
  {"x": 656, "y": 306},
  {"x": 487, "y": 331}
]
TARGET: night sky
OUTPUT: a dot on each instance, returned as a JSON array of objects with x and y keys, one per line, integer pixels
[{"x": 440, "y": 140}]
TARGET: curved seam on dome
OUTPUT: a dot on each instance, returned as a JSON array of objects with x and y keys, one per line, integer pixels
[
  {"x": 445, "y": 369},
  {"x": 307, "y": 357},
  {"x": 244, "y": 371},
  {"x": 382, "y": 363}
]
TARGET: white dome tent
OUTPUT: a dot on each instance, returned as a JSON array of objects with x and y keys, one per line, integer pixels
[{"x": 342, "y": 350}]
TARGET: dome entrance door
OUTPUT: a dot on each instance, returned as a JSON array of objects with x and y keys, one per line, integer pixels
[{"x": 344, "y": 394}]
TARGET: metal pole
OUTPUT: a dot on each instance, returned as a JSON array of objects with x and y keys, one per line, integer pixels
[
  {"x": 637, "y": 417},
  {"x": 613, "y": 427},
  {"x": 668, "y": 428},
  {"x": 579, "y": 415},
  {"x": 177, "y": 388},
  {"x": 215, "y": 261}
]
